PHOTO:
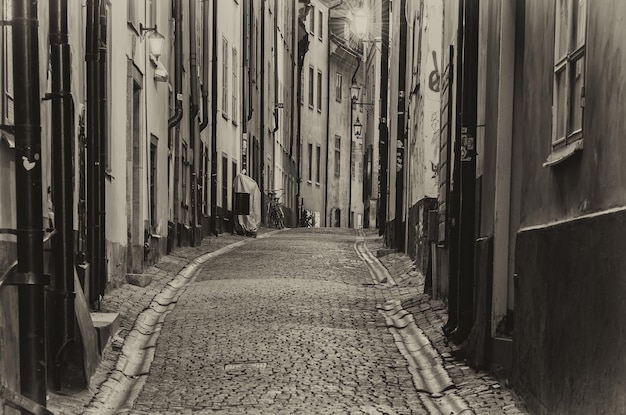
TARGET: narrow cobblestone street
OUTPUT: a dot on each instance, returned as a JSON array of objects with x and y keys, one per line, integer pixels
[
  {"x": 286, "y": 324},
  {"x": 292, "y": 322}
]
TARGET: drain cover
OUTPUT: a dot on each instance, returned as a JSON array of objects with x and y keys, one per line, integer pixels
[{"x": 240, "y": 367}]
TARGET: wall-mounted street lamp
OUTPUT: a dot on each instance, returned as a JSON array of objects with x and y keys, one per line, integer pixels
[
  {"x": 155, "y": 40},
  {"x": 155, "y": 44},
  {"x": 357, "y": 128}
]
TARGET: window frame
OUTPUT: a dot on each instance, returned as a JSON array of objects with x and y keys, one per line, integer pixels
[
  {"x": 235, "y": 79},
  {"x": 310, "y": 146},
  {"x": 311, "y": 86},
  {"x": 337, "y": 156},
  {"x": 320, "y": 80},
  {"x": 572, "y": 63},
  {"x": 338, "y": 87},
  {"x": 225, "y": 73},
  {"x": 318, "y": 164},
  {"x": 320, "y": 25}
]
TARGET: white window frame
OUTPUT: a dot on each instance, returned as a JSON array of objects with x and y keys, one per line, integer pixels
[{"x": 570, "y": 63}]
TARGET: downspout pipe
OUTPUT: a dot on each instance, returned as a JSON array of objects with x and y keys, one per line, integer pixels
[
  {"x": 62, "y": 196},
  {"x": 174, "y": 121},
  {"x": 29, "y": 210},
  {"x": 328, "y": 125},
  {"x": 383, "y": 126},
  {"x": 93, "y": 149},
  {"x": 352, "y": 101},
  {"x": 303, "y": 48},
  {"x": 205, "y": 74},
  {"x": 262, "y": 115},
  {"x": 213, "y": 220},
  {"x": 400, "y": 136},
  {"x": 103, "y": 137},
  {"x": 193, "y": 112}
]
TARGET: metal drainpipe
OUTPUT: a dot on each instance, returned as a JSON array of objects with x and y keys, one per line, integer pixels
[
  {"x": 193, "y": 112},
  {"x": 383, "y": 125},
  {"x": 327, "y": 126},
  {"x": 103, "y": 135},
  {"x": 178, "y": 75},
  {"x": 174, "y": 120},
  {"x": 63, "y": 246},
  {"x": 353, "y": 81},
  {"x": 262, "y": 115},
  {"x": 93, "y": 149},
  {"x": 213, "y": 222},
  {"x": 28, "y": 184},
  {"x": 455, "y": 196},
  {"x": 399, "y": 228},
  {"x": 205, "y": 74}
]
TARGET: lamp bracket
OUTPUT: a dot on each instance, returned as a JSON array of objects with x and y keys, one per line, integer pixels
[{"x": 143, "y": 29}]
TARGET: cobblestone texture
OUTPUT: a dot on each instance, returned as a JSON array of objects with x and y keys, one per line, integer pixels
[
  {"x": 285, "y": 325},
  {"x": 484, "y": 393}
]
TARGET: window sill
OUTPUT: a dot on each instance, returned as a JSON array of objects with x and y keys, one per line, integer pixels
[
  {"x": 561, "y": 154},
  {"x": 319, "y": 110},
  {"x": 309, "y": 182},
  {"x": 317, "y": 184},
  {"x": 109, "y": 174},
  {"x": 225, "y": 116}
]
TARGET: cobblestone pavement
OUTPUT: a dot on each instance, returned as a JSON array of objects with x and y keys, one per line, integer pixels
[
  {"x": 483, "y": 393},
  {"x": 129, "y": 300},
  {"x": 283, "y": 325},
  {"x": 286, "y": 324}
]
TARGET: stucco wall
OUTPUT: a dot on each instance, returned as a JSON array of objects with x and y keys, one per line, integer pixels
[
  {"x": 569, "y": 312},
  {"x": 595, "y": 180},
  {"x": 314, "y": 122}
]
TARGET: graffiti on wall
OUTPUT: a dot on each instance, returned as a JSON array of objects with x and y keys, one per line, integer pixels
[{"x": 434, "y": 77}]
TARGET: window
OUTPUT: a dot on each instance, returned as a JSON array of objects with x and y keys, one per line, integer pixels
[
  {"x": 569, "y": 72},
  {"x": 225, "y": 73},
  {"x": 312, "y": 20},
  {"x": 310, "y": 162},
  {"x": 337, "y": 156},
  {"x": 311, "y": 81},
  {"x": 153, "y": 178},
  {"x": 224, "y": 185},
  {"x": 353, "y": 163},
  {"x": 320, "y": 23},
  {"x": 338, "y": 86},
  {"x": 235, "y": 69},
  {"x": 318, "y": 160},
  {"x": 319, "y": 91}
]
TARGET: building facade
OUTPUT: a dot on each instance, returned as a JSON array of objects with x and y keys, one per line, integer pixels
[{"x": 315, "y": 114}]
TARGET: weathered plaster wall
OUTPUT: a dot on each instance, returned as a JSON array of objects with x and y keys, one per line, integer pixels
[
  {"x": 314, "y": 122},
  {"x": 338, "y": 186},
  {"x": 569, "y": 312}
]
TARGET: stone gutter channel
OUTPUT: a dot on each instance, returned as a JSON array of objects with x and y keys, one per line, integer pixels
[
  {"x": 437, "y": 392},
  {"x": 122, "y": 387}
]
